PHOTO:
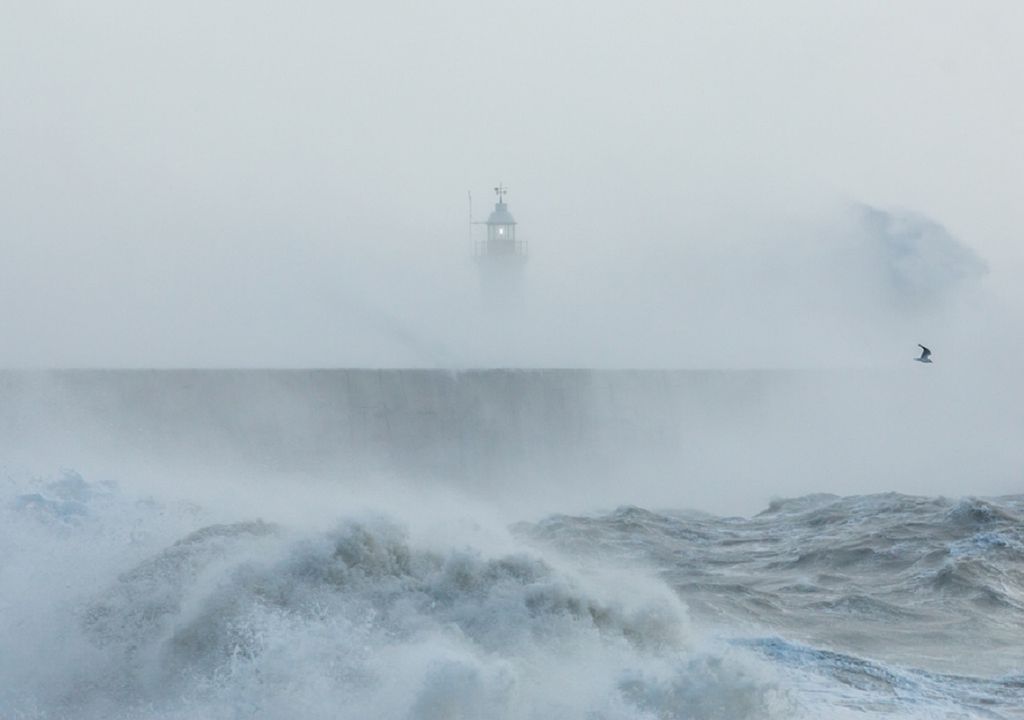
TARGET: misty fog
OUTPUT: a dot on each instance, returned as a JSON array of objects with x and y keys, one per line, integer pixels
[
  {"x": 819, "y": 186},
  {"x": 250, "y": 185}
]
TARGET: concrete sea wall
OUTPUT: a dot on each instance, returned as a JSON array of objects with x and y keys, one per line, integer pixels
[{"x": 763, "y": 432}]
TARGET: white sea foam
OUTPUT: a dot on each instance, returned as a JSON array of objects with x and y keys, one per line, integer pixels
[{"x": 122, "y": 607}]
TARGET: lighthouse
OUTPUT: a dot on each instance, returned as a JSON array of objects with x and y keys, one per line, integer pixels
[{"x": 501, "y": 256}]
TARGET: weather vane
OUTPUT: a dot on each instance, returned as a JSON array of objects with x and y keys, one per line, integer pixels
[{"x": 501, "y": 191}]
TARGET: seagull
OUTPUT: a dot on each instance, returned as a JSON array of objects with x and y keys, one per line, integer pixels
[{"x": 926, "y": 354}]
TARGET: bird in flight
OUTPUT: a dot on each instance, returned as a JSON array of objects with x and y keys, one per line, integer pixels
[{"x": 926, "y": 354}]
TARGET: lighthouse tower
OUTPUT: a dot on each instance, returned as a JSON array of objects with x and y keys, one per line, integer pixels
[{"x": 501, "y": 256}]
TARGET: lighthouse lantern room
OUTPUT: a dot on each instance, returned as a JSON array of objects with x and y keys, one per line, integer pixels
[
  {"x": 500, "y": 255},
  {"x": 501, "y": 231}
]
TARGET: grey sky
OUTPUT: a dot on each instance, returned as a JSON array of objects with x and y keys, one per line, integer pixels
[{"x": 284, "y": 183}]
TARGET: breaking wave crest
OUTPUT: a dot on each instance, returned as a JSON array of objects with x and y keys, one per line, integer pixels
[{"x": 259, "y": 620}]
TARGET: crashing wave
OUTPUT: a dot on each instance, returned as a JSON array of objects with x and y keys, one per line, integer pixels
[{"x": 361, "y": 622}]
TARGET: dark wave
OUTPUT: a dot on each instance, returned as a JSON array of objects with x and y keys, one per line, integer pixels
[
  {"x": 889, "y": 687},
  {"x": 900, "y": 575}
]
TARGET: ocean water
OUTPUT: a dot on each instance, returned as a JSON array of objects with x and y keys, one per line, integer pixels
[
  {"x": 116, "y": 603},
  {"x": 509, "y": 545}
]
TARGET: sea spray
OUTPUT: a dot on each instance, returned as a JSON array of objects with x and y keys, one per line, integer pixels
[{"x": 258, "y": 619}]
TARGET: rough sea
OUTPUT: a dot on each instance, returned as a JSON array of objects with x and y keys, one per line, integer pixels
[
  {"x": 115, "y": 604},
  {"x": 509, "y": 545}
]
